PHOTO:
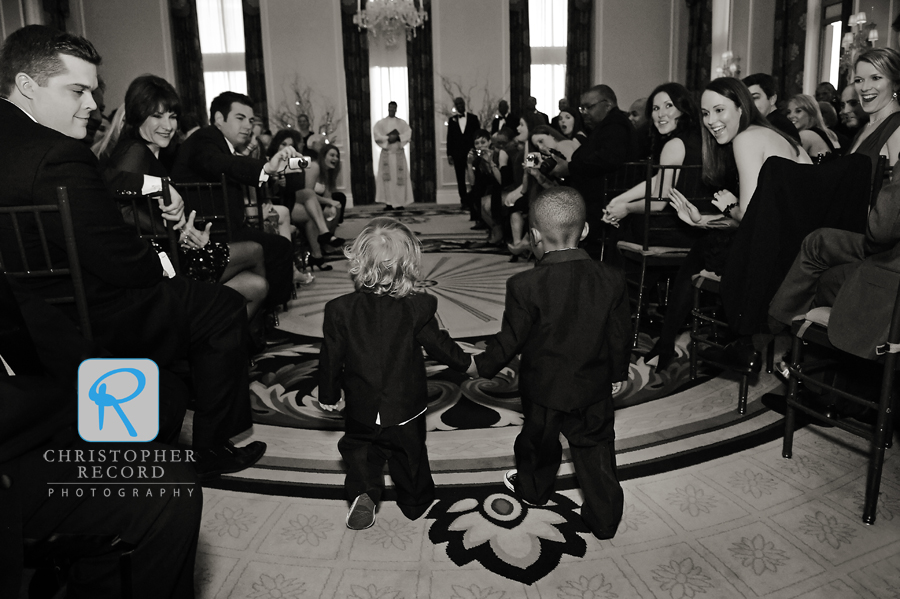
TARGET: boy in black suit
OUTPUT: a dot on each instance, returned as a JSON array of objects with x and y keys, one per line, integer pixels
[
  {"x": 372, "y": 348},
  {"x": 569, "y": 319}
]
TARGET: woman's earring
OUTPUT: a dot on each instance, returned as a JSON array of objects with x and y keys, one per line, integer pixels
[{"x": 895, "y": 95}]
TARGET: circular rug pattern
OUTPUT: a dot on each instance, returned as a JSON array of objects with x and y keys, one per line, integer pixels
[{"x": 470, "y": 289}]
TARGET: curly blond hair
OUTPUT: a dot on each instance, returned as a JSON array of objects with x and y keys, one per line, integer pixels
[{"x": 385, "y": 258}]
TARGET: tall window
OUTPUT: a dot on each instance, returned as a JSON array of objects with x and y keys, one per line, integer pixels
[
  {"x": 831, "y": 45},
  {"x": 388, "y": 84},
  {"x": 222, "y": 43},
  {"x": 547, "y": 24}
]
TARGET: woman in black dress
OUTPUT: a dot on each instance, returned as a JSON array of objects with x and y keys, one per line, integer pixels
[{"x": 151, "y": 121}]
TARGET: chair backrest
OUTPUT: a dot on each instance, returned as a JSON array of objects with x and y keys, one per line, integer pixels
[
  {"x": 254, "y": 198},
  {"x": 687, "y": 179},
  {"x": 18, "y": 262},
  {"x": 210, "y": 200},
  {"x": 139, "y": 211},
  {"x": 623, "y": 178}
]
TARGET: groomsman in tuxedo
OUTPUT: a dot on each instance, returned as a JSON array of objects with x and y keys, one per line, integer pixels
[
  {"x": 503, "y": 118},
  {"x": 460, "y": 139}
]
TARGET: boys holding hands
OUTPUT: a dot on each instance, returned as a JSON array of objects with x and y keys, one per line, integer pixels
[{"x": 569, "y": 319}]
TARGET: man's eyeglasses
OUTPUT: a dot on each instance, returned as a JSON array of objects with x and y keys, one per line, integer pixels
[{"x": 586, "y": 109}]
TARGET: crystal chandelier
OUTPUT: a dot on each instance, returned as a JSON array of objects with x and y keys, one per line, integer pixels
[
  {"x": 857, "y": 40},
  {"x": 390, "y": 18}
]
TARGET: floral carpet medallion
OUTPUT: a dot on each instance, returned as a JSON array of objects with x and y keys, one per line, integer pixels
[{"x": 521, "y": 542}]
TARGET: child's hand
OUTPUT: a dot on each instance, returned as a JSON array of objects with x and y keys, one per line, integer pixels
[
  {"x": 473, "y": 370},
  {"x": 339, "y": 406}
]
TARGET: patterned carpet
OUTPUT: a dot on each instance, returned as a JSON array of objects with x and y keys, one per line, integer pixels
[{"x": 712, "y": 510}]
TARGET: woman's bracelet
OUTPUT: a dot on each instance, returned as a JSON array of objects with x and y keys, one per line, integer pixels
[{"x": 729, "y": 208}]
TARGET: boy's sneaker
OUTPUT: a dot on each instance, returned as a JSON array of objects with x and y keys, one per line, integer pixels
[
  {"x": 362, "y": 513},
  {"x": 509, "y": 480}
]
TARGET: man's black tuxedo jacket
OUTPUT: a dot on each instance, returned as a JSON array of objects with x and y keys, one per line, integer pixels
[
  {"x": 205, "y": 156},
  {"x": 569, "y": 318},
  {"x": 373, "y": 349},
  {"x": 460, "y": 142},
  {"x": 134, "y": 310},
  {"x": 510, "y": 120},
  {"x": 610, "y": 143}
]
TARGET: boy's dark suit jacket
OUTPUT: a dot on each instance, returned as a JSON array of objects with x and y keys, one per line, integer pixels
[
  {"x": 570, "y": 320},
  {"x": 204, "y": 156},
  {"x": 373, "y": 349}
]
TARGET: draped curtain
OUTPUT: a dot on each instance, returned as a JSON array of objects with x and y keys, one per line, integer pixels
[
  {"x": 188, "y": 58},
  {"x": 578, "y": 49},
  {"x": 56, "y": 13},
  {"x": 356, "y": 71},
  {"x": 519, "y": 56},
  {"x": 790, "y": 41},
  {"x": 699, "y": 62},
  {"x": 420, "y": 69},
  {"x": 253, "y": 56}
]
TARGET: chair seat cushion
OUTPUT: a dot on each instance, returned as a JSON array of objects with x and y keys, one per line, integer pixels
[
  {"x": 818, "y": 316},
  {"x": 653, "y": 250}
]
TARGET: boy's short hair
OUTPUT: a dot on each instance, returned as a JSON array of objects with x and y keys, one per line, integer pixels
[
  {"x": 385, "y": 258},
  {"x": 558, "y": 213},
  {"x": 35, "y": 49},
  {"x": 483, "y": 134},
  {"x": 765, "y": 81}
]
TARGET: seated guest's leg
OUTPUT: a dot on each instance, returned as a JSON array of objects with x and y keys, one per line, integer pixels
[
  {"x": 342, "y": 200},
  {"x": 821, "y": 250},
  {"x": 246, "y": 274},
  {"x": 831, "y": 282},
  {"x": 279, "y": 255},
  {"x": 680, "y": 303},
  {"x": 159, "y": 525},
  {"x": 219, "y": 362}
]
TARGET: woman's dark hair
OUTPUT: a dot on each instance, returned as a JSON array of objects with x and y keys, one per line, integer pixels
[
  {"x": 330, "y": 176},
  {"x": 546, "y": 130},
  {"x": 578, "y": 127},
  {"x": 532, "y": 121},
  {"x": 282, "y": 135},
  {"x": 688, "y": 121},
  {"x": 146, "y": 96},
  {"x": 719, "y": 168}
]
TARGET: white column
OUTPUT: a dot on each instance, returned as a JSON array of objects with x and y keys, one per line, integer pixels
[
  {"x": 33, "y": 12},
  {"x": 721, "y": 33},
  {"x": 811, "y": 59}
]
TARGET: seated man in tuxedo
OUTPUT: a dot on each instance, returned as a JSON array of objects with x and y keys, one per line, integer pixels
[
  {"x": 46, "y": 78},
  {"x": 40, "y": 352},
  {"x": 213, "y": 151}
]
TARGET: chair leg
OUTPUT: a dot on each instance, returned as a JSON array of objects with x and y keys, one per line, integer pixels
[
  {"x": 640, "y": 303},
  {"x": 695, "y": 330},
  {"x": 790, "y": 415},
  {"x": 770, "y": 356},
  {"x": 275, "y": 317},
  {"x": 882, "y": 428},
  {"x": 742, "y": 394}
]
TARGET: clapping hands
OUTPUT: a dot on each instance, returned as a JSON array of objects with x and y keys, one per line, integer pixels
[{"x": 191, "y": 237}]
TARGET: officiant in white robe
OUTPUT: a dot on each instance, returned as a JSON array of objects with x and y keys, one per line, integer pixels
[{"x": 392, "y": 184}]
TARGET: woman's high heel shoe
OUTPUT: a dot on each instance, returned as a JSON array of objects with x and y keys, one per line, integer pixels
[
  {"x": 319, "y": 263},
  {"x": 328, "y": 239},
  {"x": 664, "y": 357}
]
